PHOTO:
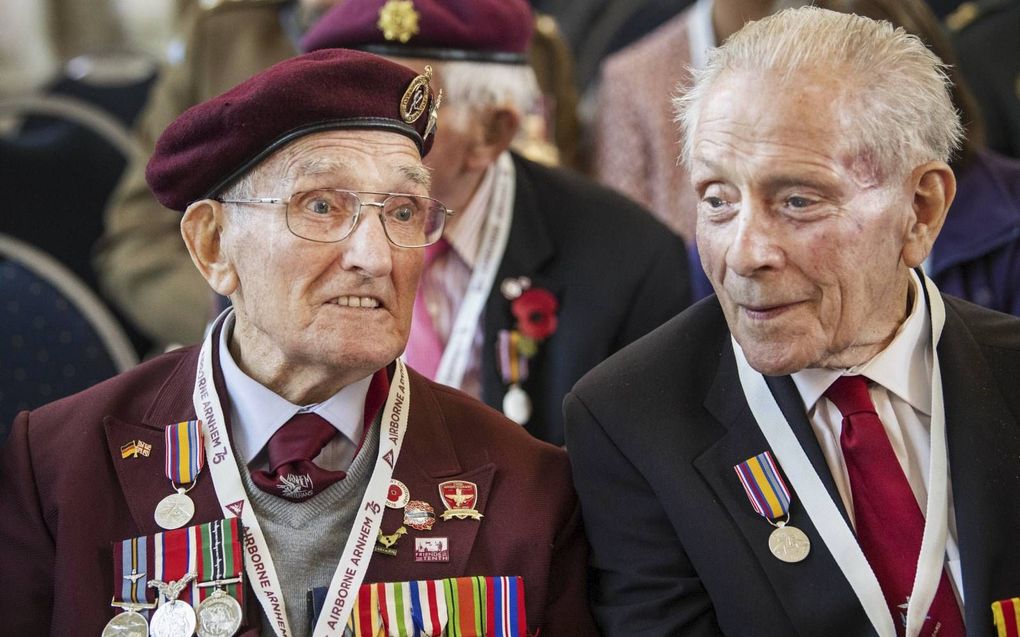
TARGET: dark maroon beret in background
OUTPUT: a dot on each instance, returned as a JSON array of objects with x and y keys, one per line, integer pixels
[
  {"x": 468, "y": 30},
  {"x": 212, "y": 144}
]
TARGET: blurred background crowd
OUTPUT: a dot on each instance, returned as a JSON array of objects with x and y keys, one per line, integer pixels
[{"x": 93, "y": 276}]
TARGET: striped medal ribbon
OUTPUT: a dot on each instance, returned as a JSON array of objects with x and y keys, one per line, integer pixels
[
  {"x": 220, "y": 573},
  {"x": 185, "y": 457},
  {"x": 454, "y": 607},
  {"x": 1006, "y": 616},
  {"x": 513, "y": 368},
  {"x": 130, "y": 583},
  {"x": 175, "y": 567},
  {"x": 770, "y": 498}
]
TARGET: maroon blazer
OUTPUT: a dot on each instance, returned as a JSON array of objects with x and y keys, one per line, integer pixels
[{"x": 66, "y": 494}]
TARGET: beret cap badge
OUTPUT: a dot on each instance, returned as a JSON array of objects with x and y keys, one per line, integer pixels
[
  {"x": 398, "y": 20},
  {"x": 416, "y": 97}
]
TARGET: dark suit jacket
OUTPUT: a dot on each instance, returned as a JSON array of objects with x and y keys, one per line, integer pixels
[
  {"x": 654, "y": 434},
  {"x": 66, "y": 494},
  {"x": 617, "y": 273}
]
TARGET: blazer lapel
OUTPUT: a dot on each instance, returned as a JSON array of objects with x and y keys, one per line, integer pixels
[
  {"x": 984, "y": 448},
  {"x": 427, "y": 459},
  {"x": 528, "y": 248},
  {"x": 797, "y": 586}
]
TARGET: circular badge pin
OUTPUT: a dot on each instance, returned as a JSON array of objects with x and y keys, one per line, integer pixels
[
  {"x": 789, "y": 544},
  {"x": 398, "y": 495},
  {"x": 419, "y": 515}
]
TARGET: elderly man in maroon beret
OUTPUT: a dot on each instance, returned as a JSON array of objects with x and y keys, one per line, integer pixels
[
  {"x": 542, "y": 274},
  {"x": 292, "y": 476}
]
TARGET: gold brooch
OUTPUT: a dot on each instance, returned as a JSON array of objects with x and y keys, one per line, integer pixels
[
  {"x": 416, "y": 97},
  {"x": 398, "y": 20}
]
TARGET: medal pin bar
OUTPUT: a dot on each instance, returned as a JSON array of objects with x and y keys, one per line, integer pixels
[{"x": 219, "y": 614}]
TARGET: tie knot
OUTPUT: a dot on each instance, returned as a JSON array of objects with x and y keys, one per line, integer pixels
[
  {"x": 300, "y": 438},
  {"x": 850, "y": 395}
]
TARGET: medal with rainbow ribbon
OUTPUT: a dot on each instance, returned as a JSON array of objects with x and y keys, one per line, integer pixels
[
  {"x": 185, "y": 457},
  {"x": 770, "y": 498}
]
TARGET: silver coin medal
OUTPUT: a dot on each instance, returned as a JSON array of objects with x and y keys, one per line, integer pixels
[
  {"x": 219, "y": 615},
  {"x": 185, "y": 457},
  {"x": 770, "y": 498},
  {"x": 129, "y": 622},
  {"x": 174, "y": 617}
]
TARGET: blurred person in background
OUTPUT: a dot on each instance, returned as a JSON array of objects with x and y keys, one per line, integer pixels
[{"x": 543, "y": 273}]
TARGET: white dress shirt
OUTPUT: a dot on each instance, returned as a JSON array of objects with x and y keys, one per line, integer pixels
[
  {"x": 902, "y": 397},
  {"x": 256, "y": 412}
]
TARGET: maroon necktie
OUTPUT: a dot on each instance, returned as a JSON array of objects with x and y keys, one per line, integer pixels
[
  {"x": 292, "y": 474},
  {"x": 889, "y": 522}
]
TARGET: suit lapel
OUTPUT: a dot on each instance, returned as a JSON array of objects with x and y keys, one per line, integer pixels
[
  {"x": 142, "y": 478},
  {"x": 529, "y": 247},
  {"x": 428, "y": 458},
  {"x": 796, "y": 586},
  {"x": 984, "y": 448}
]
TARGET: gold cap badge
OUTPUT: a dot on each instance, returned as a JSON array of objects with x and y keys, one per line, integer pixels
[
  {"x": 398, "y": 20},
  {"x": 416, "y": 97}
]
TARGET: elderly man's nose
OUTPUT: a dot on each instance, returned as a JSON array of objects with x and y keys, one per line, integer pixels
[
  {"x": 755, "y": 243},
  {"x": 367, "y": 248}
]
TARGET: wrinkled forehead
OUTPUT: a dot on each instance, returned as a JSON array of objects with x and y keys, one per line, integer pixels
[{"x": 356, "y": 159}]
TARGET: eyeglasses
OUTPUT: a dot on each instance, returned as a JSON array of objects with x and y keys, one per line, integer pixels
[{"x": 330, "y": 215}]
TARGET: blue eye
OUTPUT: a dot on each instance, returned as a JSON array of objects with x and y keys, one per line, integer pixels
[
  {"x": 799, "y": 202},
  {"x": 320, "y": 207}
]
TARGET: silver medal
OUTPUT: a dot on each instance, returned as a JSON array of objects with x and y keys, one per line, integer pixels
[
  {"x": 174, "y": 510},
  {"x": 173, "y": 619},
  {"x": 219, "y": 615},
  {"x": 126, "y": 624},
  {"x": 789, "y": 544},
  {"x": 517, "y": 405}
]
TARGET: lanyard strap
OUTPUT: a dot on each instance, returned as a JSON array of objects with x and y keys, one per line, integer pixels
[
  {"x": 837, "y": 535},
  {"x": 495, "y": 234},
  {"x": 233, "y": 499}
]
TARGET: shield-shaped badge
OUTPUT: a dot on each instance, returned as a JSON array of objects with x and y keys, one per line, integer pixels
[{"x": 459, "y": 497}]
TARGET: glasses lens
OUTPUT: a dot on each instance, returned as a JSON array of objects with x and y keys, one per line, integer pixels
[
  {"x": 413, "y": 221},
  {"x": 322, "y": 215}
]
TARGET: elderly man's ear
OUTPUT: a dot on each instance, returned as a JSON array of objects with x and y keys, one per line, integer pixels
[
  {"x": 497, "y": 130},
  {"x": 934, "y": 188},
  {"x": 202, "y": 229}
]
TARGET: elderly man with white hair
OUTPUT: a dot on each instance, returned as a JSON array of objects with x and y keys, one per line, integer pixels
[
  {"x": 542, "y": 274},
  {"x": 827, "y": 446}
]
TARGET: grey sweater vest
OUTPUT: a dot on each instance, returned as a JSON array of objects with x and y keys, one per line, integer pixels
[{"x": 306, "y": 539}]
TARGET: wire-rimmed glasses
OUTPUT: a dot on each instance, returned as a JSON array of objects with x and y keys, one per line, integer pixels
[{"x": 329, "y": 215}]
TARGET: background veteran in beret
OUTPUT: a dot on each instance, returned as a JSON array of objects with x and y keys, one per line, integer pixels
[
  {"x": 829, "y": 445},
  {"x": 306, "y": 202},
  {"x": 542, "y": 273}
]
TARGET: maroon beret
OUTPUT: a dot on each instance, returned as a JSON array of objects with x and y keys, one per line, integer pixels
[
  {"x": 214, "y": 143},
  {"x": 469, "y": 30}
]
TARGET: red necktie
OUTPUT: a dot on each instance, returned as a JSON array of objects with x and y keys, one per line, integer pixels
[
  {"x": 424, "y": 348},
  {"x": 292, "y": 474},
  {"x": 889, "y": 521}
]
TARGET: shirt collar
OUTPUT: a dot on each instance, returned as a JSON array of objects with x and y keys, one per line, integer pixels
[
  {"x": 911, "y": 382},
  {"x": 257, "y": 411},
  {"x": 465, "y": 236}
]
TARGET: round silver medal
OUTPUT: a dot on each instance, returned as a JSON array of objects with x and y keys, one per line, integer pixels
[
  {"x": 174, "y": 510},
  {"x": 517, "y": 405},
  {"x": 789, "y": 544},
  {"x": 126, "y": 624},
  {"x": 219, "y": 615},
  {"x": 173, "y": 619}
]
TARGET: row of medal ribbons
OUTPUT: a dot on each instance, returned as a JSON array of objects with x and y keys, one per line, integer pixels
[
  {"x": 462, "y": 606},
  {"x": 179, "y": 582}
]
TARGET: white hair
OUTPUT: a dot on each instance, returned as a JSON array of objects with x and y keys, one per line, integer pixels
[
  {"x": 895, "y": 100},
  {"x": 471, "y": 87}
]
